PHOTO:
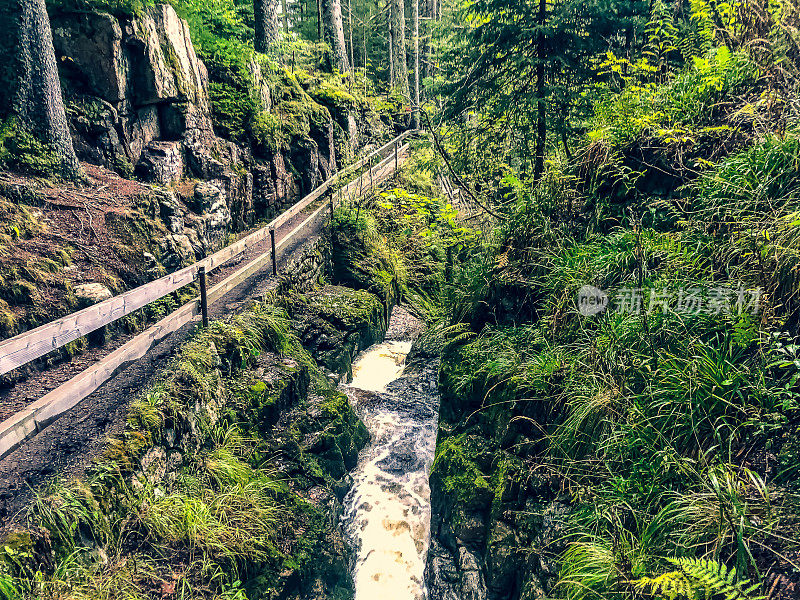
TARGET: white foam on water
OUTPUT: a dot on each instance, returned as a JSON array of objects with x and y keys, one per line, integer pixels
[
  {"x": 379, "y": 365},
  {"x": 387, "y": 512}
]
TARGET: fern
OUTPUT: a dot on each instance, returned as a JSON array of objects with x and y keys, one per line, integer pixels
[
  {"x": 698, "y": 578},
  {"x": 457, "y": 335}
]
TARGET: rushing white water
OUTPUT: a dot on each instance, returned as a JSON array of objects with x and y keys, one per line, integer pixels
[{"x": 387, "y": 511}]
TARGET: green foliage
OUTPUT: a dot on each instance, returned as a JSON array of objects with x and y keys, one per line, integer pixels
[
  {"x": 698, "y": 578},
  {"x": 672, "y": 112},
  {"x": 21, "y": 151}
]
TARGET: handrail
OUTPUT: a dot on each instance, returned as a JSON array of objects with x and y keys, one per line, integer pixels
[
  {"x": 35, "y": 417},
  {"x": 35, "y": 343}
]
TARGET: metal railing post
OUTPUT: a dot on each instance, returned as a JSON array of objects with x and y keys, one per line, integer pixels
[
  {"x": 396, "y": 156},
  {"x": 201, "y": 274},
  {"x": 274, "y": 254}
]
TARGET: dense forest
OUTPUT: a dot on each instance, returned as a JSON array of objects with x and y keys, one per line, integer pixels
[{"x": 598, "y": 227}]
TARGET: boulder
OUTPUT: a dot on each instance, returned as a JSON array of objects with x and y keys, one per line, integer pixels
[
  {"x": 91, "y": 293},
  {"x": 170, "y": 71},
  {"x": 130, "y": 82},
  {"x": 162, "y": 163}
]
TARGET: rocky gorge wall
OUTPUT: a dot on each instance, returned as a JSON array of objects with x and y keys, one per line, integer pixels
[
  {"x": 138, "y": 101},
  {"x": 497, "y": 518}
]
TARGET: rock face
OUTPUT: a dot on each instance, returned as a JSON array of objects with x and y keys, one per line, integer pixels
[
  {"x": 335, "y": 323},
  {"x": 136, "y": 81},
  {"x": 496, "y": 526},
  {"x": 138, "y": 103}
]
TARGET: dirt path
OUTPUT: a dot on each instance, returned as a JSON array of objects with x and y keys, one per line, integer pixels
[{"x": 63, "y": 449}]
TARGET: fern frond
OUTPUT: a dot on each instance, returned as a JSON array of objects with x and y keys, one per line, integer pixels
[{"x": 698, "y": 578}]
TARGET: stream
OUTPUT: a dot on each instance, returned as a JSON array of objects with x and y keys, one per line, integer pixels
[{"x": 387, "y": 512}]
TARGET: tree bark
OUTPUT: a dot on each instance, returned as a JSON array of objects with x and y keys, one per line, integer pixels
[
  {"x": 541, "y": 117},
  {"x": 430, "y": 12},
  {"x": 350, "y": 30},
  {"x": 34, "y": 97},
  {"x": 285, "y": 10},
  {"x": 400, "y": 67},
  {"x": 266, "y": 24},
  {"x": 415, "y": 18},
  {"x": 334, "y": 33},
  {"x": 391, "y": 44},
  {"x": 319, "y": 20}
]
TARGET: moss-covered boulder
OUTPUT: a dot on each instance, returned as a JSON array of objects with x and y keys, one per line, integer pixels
[
  {"x": 363, "y": 260},
  {"x": 335, "y": 323}
]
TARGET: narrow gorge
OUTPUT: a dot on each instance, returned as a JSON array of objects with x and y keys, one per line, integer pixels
[{"x": 399, "y": 300}]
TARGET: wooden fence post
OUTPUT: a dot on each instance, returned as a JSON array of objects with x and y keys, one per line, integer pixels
[
  {"x": 274, "y": 255},
  {"x": 448, "y": 267},
  {"x": 201, "y": 274}
]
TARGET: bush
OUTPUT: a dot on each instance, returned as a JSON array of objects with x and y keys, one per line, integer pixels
[{"x": 675, "y": 110}]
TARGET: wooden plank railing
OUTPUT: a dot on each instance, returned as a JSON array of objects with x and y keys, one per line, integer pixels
[
  {"x": 26, "y": 347},
  {"x": 30, "y": 420}
]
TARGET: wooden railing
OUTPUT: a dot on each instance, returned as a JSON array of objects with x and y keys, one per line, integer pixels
[
  {"x": 33, "y": 344},
  {"x": 24, "y": 348}
]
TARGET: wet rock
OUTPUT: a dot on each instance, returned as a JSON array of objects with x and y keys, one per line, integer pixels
[
  {"x": 335, "y": 323},
  {"x": 472, "y": 586},
  {"x": 501, "y": 558}
]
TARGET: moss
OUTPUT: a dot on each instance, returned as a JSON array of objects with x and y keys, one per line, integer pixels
[
  {"x": 18, "y": 222},
  {"x": 458, "y": 473},
  {"x": 21, "y": 151},
  {"x": 334, "y": 323},
  {"x": 363, "y": 260}
]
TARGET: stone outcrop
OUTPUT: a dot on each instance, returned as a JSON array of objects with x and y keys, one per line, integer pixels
[
  {"x": 134, "y": 81},
  {"x": 91, "y": 293},
  {"x": 335, "y": 323},
  {"x": 138, "y": 101}
]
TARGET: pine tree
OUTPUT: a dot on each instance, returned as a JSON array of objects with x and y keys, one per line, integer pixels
[
  {"x": 334, "y": 33},
  {"x": 267, "y": 27},
  {"x": 32, "y": 89},
  {"x": 398, "y": 48}
]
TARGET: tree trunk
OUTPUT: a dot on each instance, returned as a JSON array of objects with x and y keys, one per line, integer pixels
[
  {"x": 350, "y": 30},
  {"x": 266, "y": 24},
  {"x": 285, "y": 10},
  {"x": 400, "y": 67},
  {"x": 429, "y": 11},
  {"x": 391, "y": 44},
  {"x": 34, "y": 96},
  {"x": 541, "y": 117},
  {"x": 319, "y": 20},
  {"x": 415, "y": 18},
  {"x": 334, "y": 34}
]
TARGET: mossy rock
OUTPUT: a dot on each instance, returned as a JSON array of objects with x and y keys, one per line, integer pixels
[{"x": 335, "y": 323}]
